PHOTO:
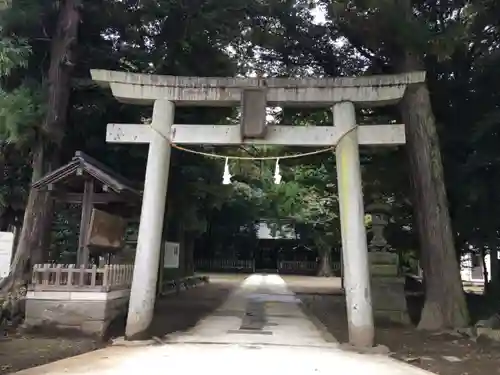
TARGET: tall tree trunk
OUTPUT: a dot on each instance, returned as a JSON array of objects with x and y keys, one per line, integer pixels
[
  {"x": 30, "y": 248},
  {"x": 493, "y": 287},
  {"x": 62, "y": 61},
  {"x": 181, "y": 239},
  {"x": 494, "y": 270},
  {"x": 190, "y": 239},
  {"x": 325, "y": 262},
  {"x": 484, "y": 267},
  {"x": 445, "y": 305},
  {"x": 38, "y": 212}
]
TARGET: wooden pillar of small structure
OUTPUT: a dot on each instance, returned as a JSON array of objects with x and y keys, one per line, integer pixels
[{"x": 87, "y": 205}]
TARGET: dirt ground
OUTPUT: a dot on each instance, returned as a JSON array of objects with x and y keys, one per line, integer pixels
[
  {"x": 18, "y": 352},
  {"x": 173, "y": 313},
  {"x": 443, "y": 354}
]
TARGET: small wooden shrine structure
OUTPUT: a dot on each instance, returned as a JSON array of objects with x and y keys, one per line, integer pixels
[
  {"x": 106, "y": 199},
  {"x": 83, "y": 296}
]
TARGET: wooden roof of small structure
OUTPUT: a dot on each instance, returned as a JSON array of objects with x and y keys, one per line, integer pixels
[{"x": 82, "y": 164}]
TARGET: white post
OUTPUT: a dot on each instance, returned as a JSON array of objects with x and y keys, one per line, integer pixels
[
  {"x": 147, "y": 257},
  {"x": 354, "y": 243}
]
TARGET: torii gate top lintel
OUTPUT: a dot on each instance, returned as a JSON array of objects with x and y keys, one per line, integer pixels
[{"x": 134, "y": 88}]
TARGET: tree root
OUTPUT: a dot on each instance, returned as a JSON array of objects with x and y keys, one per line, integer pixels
[{"x": 11, "y": 305}]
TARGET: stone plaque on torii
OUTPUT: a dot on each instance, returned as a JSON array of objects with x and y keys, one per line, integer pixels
[{"x": 254, "y": 94}]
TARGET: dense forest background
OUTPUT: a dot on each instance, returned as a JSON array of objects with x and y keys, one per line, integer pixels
[{"x": 441, "y": 187}]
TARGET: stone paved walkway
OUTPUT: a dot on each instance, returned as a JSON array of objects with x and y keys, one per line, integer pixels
[{"x": 261, "y": 329}]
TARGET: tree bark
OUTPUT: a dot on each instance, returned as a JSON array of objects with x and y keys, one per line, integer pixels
[
  {"x": 181, "y": 239},
  {"x": 325, "y": 262},
  {"x": 30, "y": 249},
  {"x": 494, "y": 270},
  {"x": 493, "y": 286},
  {"x": 190, "y": 238},
  {"x": 30, "y": 246},
  {"x": 62, "y": 62},
  {"x": 445, "y": 305},
  {"x": 482, "y": 261}
]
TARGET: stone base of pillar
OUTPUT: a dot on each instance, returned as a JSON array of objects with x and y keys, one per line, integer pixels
[{"x": 388, "y": 295}]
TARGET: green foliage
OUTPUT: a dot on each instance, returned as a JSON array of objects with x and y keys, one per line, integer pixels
[
  {"x": 65, "y": 229},
  {"x": 20, "y": 107},
  {"x": 21, "y": 110},
  {"x": 14, "y": 53},
  {"x": 308, "y": 196}
]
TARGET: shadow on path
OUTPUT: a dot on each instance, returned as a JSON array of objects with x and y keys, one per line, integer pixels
[
  {"x": 173, "y": 313},
  {"x": 181, "y": 312}
]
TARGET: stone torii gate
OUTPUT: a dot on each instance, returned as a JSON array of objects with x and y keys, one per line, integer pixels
[{"x": 254, "y": 94}]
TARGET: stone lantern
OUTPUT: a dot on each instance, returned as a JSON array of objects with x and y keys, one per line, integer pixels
[
  {"x": 380, "y": 218},
  {"x": 388, "y": 298}
]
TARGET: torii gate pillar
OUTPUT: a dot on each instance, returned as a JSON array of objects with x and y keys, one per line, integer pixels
[
  {"x": 354, "y": 244},
  {"x": 147, "y": 257}
]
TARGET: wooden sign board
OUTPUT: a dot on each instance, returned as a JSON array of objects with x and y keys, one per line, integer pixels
[
  {"x": 172, "y": 252},
  {"x": 106, "y": 230},
  {"x": 6, "y": 245}
]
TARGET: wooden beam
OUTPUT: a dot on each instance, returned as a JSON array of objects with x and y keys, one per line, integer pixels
[
  {"x": 97, "y": 198},
  {"x": 128, "y": 133},
  {"x": 83, "y": 251},
  {"x": 312, "y": 136}
]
